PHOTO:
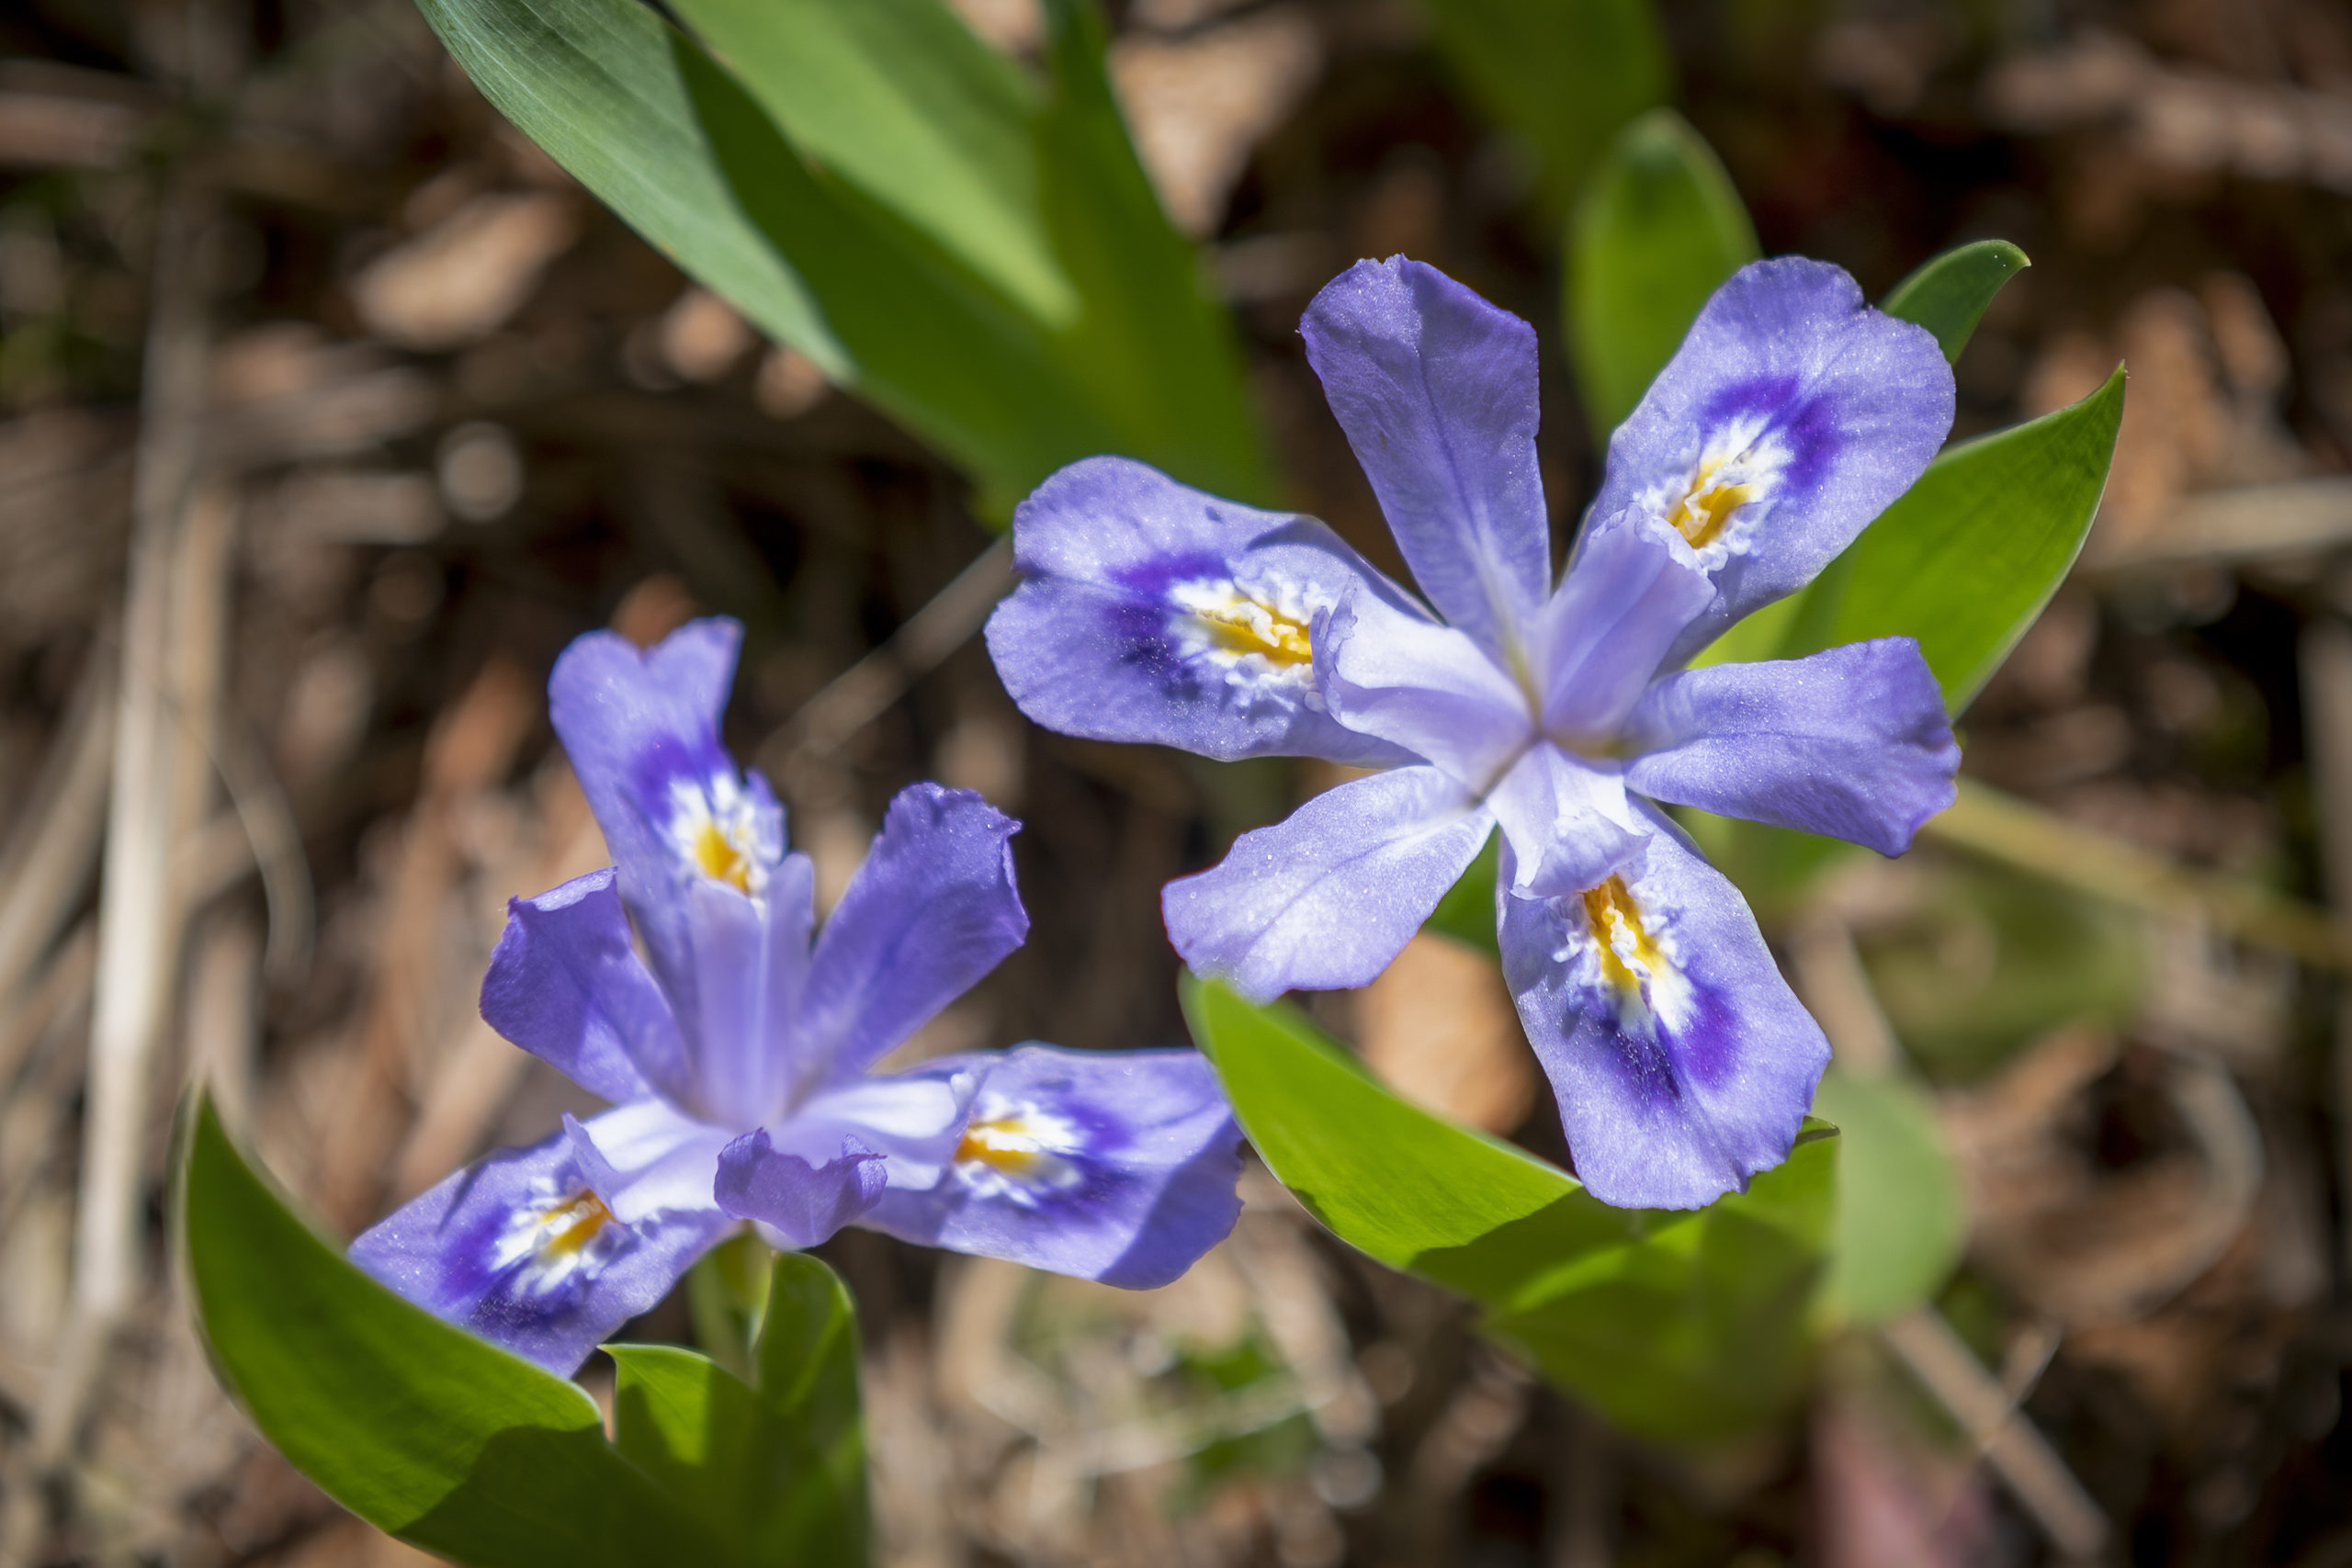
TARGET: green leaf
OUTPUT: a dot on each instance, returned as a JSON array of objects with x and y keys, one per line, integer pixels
[
  {"x": 1899, "y": 1223},
  {"x": 902, "y": 101},
  {"x": 1466, "y": 913},
  {"x": 417, "y": 1427},
  {"x": 1705, "y": 1328},
  {"x": 1966, "y": 558},
  {"x": 1674, "y": 1324},
  {"x": 1948, "y": 294},
  {"x": 1658, "y": 230},
  {"x": 779, "y": 1470},
  {"x": 857, "y": 256},
  {"x": 1563, "y": 74}
]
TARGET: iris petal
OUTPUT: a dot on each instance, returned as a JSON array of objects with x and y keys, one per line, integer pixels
[
  {"x": 1154, "y": 613},
  {"x": 1116, "y": 1166},
  {"x": 1851, "y": 741},
  {"x": 1682, "y": 1062},
  {"x": 1436, "y": 390}
]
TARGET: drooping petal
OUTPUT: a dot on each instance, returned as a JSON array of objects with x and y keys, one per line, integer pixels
[
  {"x": 1436, "y": 390},
  {"x": 1792, "y": 416},
  {"x": 548, "y": 1250},
  {"x": 1157, "y": 612},
  {"x": 566, "y": 985},
  {"x": 1627, "y": 598},
  {"x": 932, "y": 910},
  {"x": 1851, "y": 741},
  {"x": 1566, "y": 819},
  {"x": 803, "y": 1202},
  {"x": 1327, "y": 897},
  {"x": 1682, "y": 1062},
  {"x": 1116, "y": 1166},
  {"x": 642, "y": 732},
  {"x": 1428, "y": 688}
]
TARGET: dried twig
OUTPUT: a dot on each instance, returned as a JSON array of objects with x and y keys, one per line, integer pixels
[{"x": 55, "y": 847}]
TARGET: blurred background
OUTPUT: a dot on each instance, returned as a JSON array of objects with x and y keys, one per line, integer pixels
[{"x": 435, "y": 412}]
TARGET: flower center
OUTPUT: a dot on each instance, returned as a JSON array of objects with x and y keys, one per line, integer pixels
[
  {"x": 1623, "y": 941},
  {"x": 716, "y": 856},
  {"x": 1707, "y": 506},
  {"x": 1018, "y": 1152},
  {"x": 1244, "y": 624},
  {"x": 570, "y": 1226}
]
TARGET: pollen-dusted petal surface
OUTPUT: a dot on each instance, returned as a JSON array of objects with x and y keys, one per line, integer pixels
[
  {"x": 1682, "y": 1062},
  {"x": 932, "y": 910},
  {"x": 1155, "y": 612},
  {"x": 1327, "y": 897},
  {"x": 1790, "y": 416},
  {"x": 1116, "y": 1166},
  {"x": 548, "y": 1250},
  {"x": 566, "y": 985},
  {"x": 1436, "y": 390},
  {"x": 1851, "y": 741},
  {"x": 802, "y": 1201}
]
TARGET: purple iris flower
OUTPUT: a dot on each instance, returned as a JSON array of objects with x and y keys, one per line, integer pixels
[
  {"x": 736, "y": 1051},
  {"x": 1792, "y": 416}
]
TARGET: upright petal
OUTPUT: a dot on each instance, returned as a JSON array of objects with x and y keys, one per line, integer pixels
[
  {"x": 1116, "y": 1166},
  {"x": 1851, "y": 741},
  {"x": 1156, "y": 613},
  {"x": 1792, "y": 416},
  {"x": 932, "y": 910},
  {"x": 1428, "y": 688},
  {"x": 1327, "y": 897},
  {"x": 642, "y": 733},
  {"x": 1566, "y": 819},
  {"x": 1682, "y": 1062},
  {"x": 1629, "y": 595},
  {"x": 548, "y": 1250},
  {"x": 1436, "y": 390},
  {"x": 801, "y": 1200},
  {"x": 566, "y": 985}
]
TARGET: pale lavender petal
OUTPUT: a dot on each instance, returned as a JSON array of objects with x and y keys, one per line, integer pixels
[
  {"x": 1436, "y": 390},
  {"x": 1328, "y": 897},
  {"x": 1792, "y": 416},
  {"x": 1682, "y": 1062},
  {"x": 1428, "y": 688},
  {"x": 1566, "y": 819},
  {"x": 801, "y": 1202},
  {"x": 566, "y": 985},
  {"x": 548, "y": 1250},
  {"x": 913, "y": 1119},
  {"x": 1632, "y": 589},
  {"x": 932, "y": 910},
  {"x": 1118, "y": 1165},
  {"x": 642, "y": 732},
  {"x": 1157, "y": 612},
  {"x": 1851, "y": 741}
]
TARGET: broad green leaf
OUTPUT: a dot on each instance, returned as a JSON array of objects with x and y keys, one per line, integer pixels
[
  {"x": 1466, "y": 913},
  {"x": 863, "y": 283},
  {"x": 1675, "y": 1324},
  {"x": 1948, "y": 294},
  {"x": 417, "y": 1427},
  {"x": 1563, "y": 74},
  {"x": 1658, "y": 230},
  {"x": 727, "y": 1294},
  {"x": 1704, "y": 1328},
  {"x": 1966, "y": 558},
  {"x": 1899, "y": 1223},
  {"x": 1411, "y": 1188},
  {"x": 902, "y": 101},
  {"x": 778, "y": 1470}
]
